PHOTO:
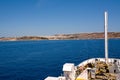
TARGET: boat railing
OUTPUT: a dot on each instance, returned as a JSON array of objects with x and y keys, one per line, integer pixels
[{"x": 92, "y": 60}]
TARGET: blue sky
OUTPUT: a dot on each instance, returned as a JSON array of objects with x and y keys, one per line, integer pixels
[{"x": 49, "y": 17}]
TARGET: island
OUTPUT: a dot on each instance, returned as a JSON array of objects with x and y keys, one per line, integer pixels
[{"x": 77, "y": 36}]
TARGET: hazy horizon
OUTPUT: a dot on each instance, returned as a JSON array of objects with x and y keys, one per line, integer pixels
[{"x": 51, "y": 35}]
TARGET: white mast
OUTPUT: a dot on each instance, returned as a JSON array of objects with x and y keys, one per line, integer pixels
[{"x": 106, "y": 37}]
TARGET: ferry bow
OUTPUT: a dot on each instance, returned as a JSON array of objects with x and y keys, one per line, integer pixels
[{"x": 94, "y": 68}]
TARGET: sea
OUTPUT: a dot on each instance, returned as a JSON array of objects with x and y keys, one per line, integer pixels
[{"x": 35, "y": 60}]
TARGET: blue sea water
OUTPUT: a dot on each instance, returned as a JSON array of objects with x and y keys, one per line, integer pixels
[{"x": 35, "y": 60}]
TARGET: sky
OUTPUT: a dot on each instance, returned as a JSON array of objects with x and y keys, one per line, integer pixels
[{"x": 50, "y": 17}]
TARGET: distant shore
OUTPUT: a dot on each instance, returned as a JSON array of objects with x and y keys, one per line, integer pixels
[{"x": 77, "y": 36}]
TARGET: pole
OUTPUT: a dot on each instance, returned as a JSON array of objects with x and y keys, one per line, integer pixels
[{"x": 106, "y": 37}]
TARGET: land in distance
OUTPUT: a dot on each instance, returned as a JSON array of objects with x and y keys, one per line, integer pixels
[{"x": 77, "y": 36}]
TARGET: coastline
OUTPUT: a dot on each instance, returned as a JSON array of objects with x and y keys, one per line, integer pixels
[{"x": 78, "y": 36}]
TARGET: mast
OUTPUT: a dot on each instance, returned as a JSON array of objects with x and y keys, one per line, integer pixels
[{"x": 106, "y": 37}]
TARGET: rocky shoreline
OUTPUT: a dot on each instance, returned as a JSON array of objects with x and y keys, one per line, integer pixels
[{"x": 77, "y": 36}]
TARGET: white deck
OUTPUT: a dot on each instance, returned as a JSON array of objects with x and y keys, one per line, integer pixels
[
  {"x": 83, "y": 75},
  {"x": 114, "y": 66}
]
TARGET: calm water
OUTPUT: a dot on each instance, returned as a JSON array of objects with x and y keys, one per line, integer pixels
[{"x": 35, "y": 60}]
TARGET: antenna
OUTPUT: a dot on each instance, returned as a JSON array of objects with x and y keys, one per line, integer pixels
[{"x": 106, "y": 37}]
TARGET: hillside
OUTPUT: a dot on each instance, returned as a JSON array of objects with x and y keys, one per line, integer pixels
[{"x": 64, "y": 36}]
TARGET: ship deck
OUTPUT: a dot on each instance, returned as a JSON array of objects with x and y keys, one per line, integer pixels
[{"x": 97, "y": 69}]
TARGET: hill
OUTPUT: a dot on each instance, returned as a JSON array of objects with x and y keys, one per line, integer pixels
[{"x": 64, "y": 36}]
